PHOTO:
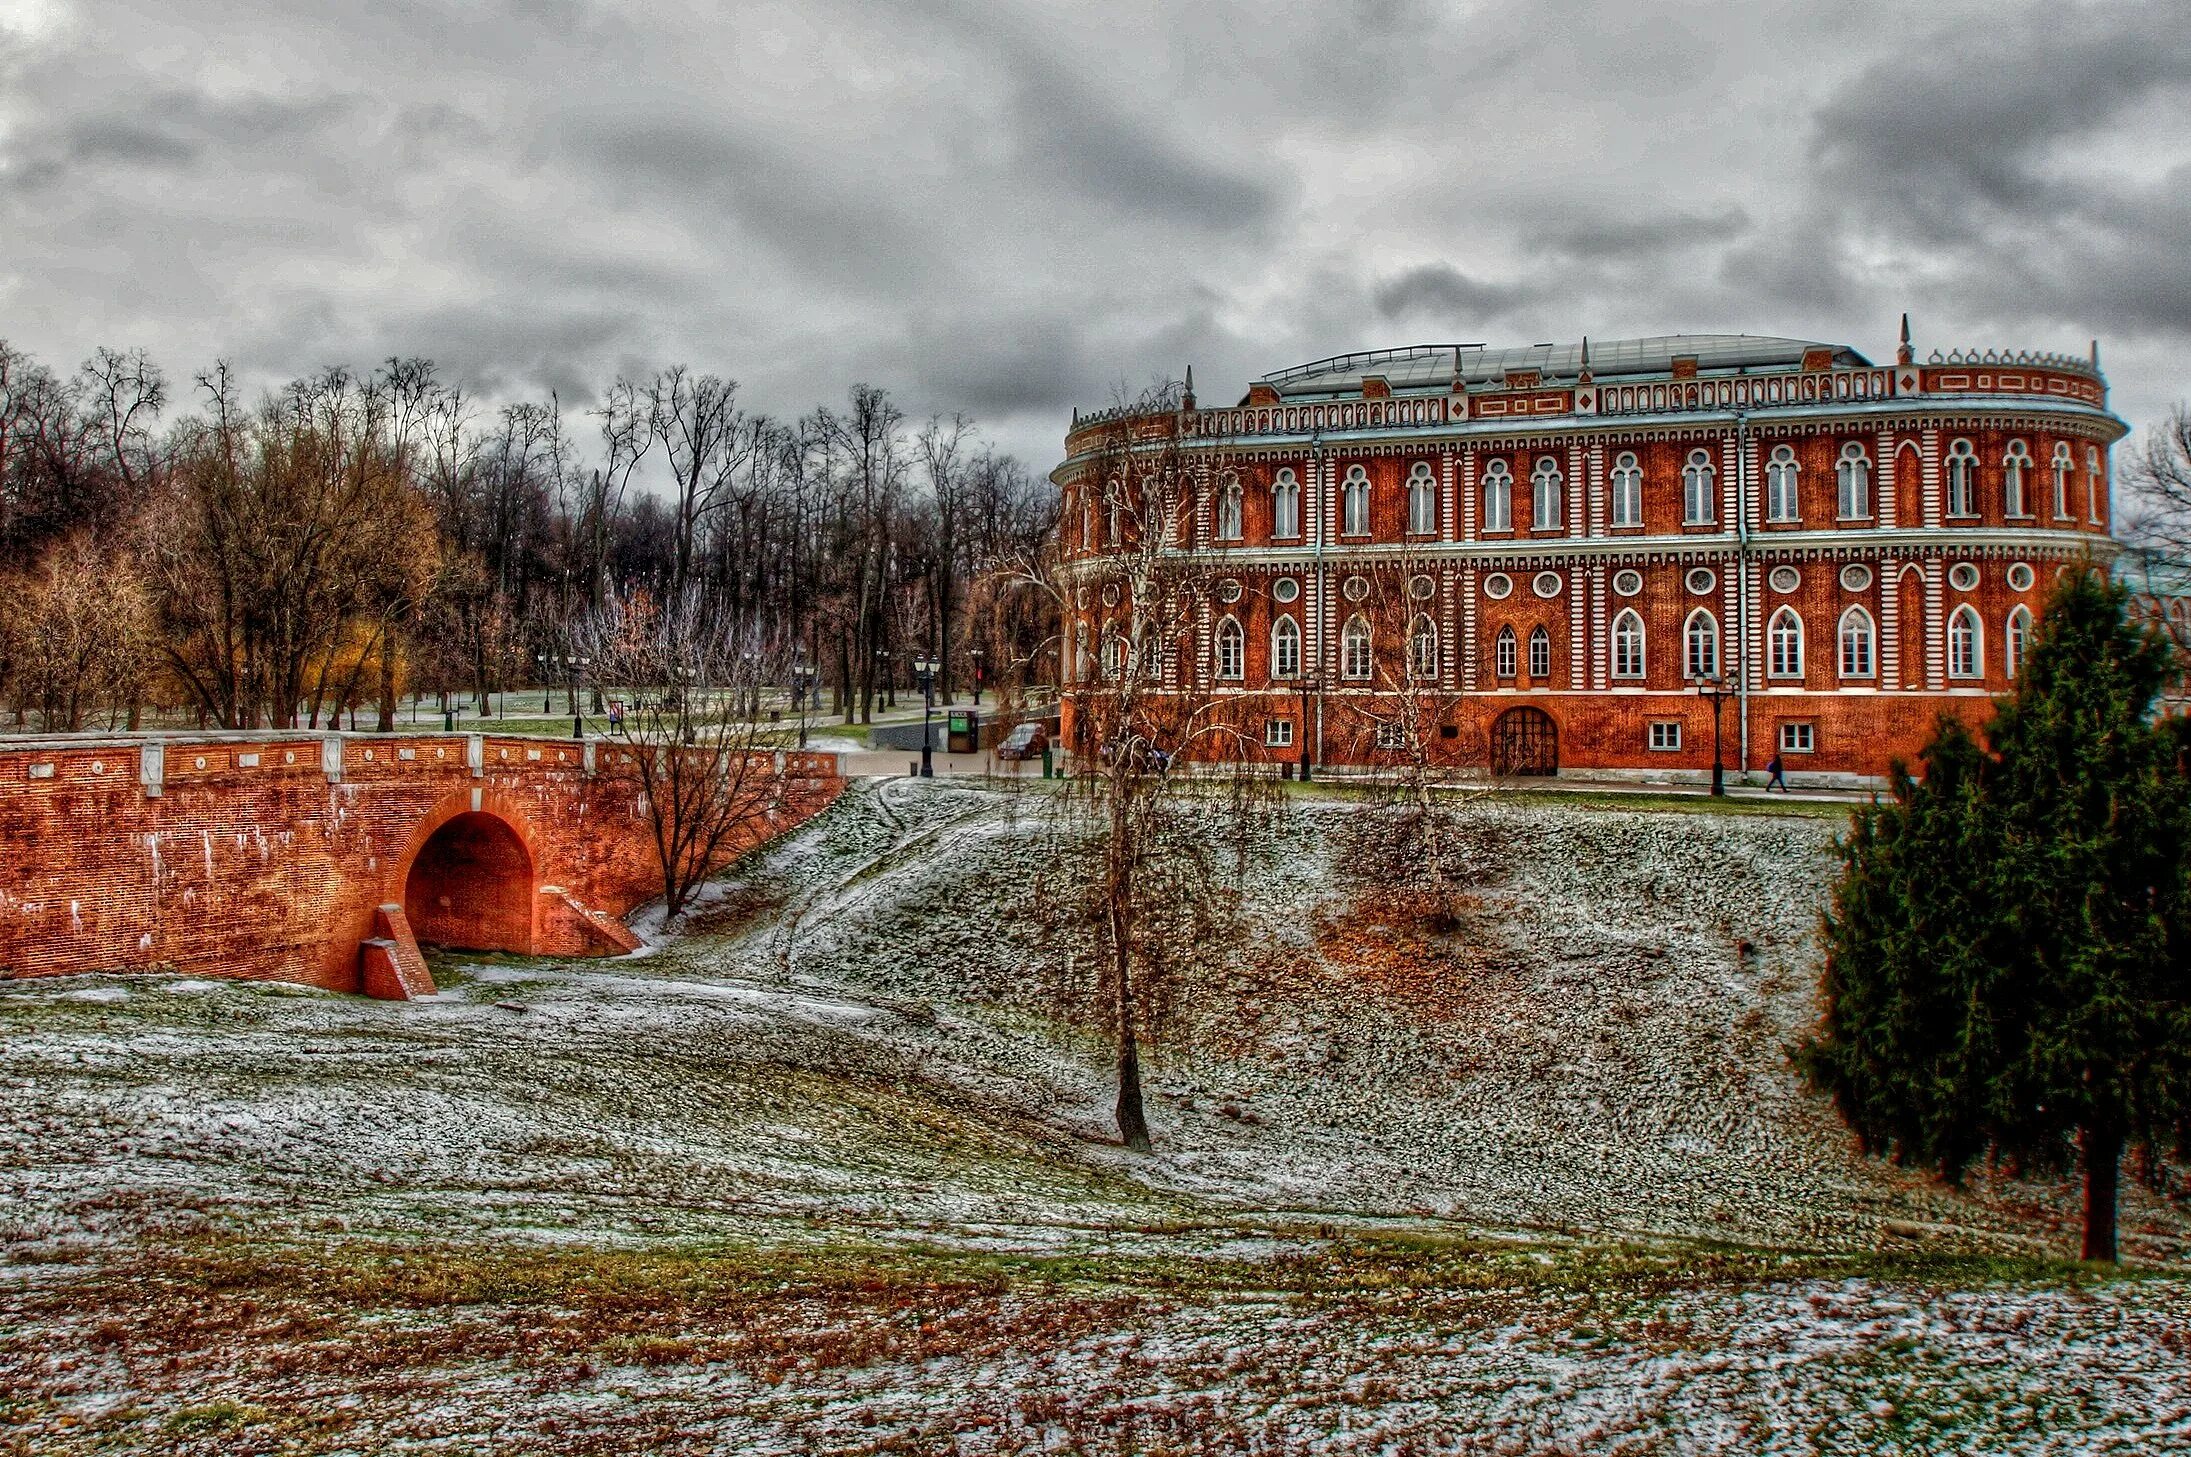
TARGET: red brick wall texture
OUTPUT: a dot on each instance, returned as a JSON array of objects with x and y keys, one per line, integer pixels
[{"x": 272, "y": 856}]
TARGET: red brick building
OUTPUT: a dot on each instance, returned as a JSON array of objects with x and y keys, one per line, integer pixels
[{"x": 1559, "y": 542}]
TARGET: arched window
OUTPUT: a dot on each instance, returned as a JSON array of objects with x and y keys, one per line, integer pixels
[
  {"x": 1965, "y": 644},
  {"x": 1152, "y": 656},
  {"x": 1628, "y": 645},
  {"x": 1422, "y": 500},
  {"x": 1498, "y": 497},
  {"x": 1422, "y": 648},
  {"x": 1231, "y": 649},
  {"x": 1540, "y": 654},
  {"x": 1697, "y": 480},
  {"x": 1544, "y": 495},
  {"x": 1114, "y": 654},
  {"x": 2019, "y": 639},
  {"x": 1962, "y": 479},
  {"x": 1354, "y": 648},
  {"x": 1784, "y": 644},
  {"x": 1285, "y": 504},
  {"x": 1354, "y": 503},
  {"x": 1780, "y": 479},
  {"x": 2095, "y": 483},
  {"x": 1285, "y": 648},
  {"x": 1854, "y": 471},
  {"x": 1857, "y": 638},
  {"x": 2015, "y": 471},
  {"x": 2061, "y": 480},
  {"x": 1504, "y": 653},
  {"x": 1700, "y": 646},
  {"x": 1228, "y": 509},
  {"x": 1627, "y": 490}
]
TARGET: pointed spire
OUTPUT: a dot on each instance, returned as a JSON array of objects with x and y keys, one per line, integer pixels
[
  {"x": 1459, "y": 384},
  {"x": 1583, "y": 376},
  {"x": 1188, "y": 401},
  {"x": 2095, "y": 356},
  {"x": 1903, "y": 353}
]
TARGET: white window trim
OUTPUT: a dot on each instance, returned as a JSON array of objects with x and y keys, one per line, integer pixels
[
  {"x": 1772, "y": 646},
  {"x": 1871, "y": 637},
  {"x": 1976, "y": 670},
  {"x": 1632, "y": 618},
  {"x": 1652, "y": 736}
]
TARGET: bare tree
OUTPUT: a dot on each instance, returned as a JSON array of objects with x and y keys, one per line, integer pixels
[
  {"x": 1161, "y": 787},
  {"x": 693, "y": 746}
]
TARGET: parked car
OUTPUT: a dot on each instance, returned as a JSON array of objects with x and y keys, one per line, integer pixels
[{"x": 1025, "y": 741}]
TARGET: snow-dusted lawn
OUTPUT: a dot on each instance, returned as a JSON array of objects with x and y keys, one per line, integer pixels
[{"x": 856, "y": 1055}]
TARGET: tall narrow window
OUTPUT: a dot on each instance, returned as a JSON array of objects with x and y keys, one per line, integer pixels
[
  {"x": 1422, "y": 500},
  {"x": 2019, "y": 639},
  {"x": 1627, "y": 490},
  {"x": 1354, "y": 648},
  {"x": 1965, "y": 648},
  {"x": 1780, "y": 479},
  {"x": 1422, "y": 649},
  {"x": 1628, "y": 645},
  {"x": 1697, "y": 481},
  {"x": 2061, "y": 480},
  {"x": 1857, "y": 638},
  {"x": 1784, "y": 644},
  {"x": 1540, "y": 654},
  {"x": 1962, "y": 479},
  {"x": 2095, "y": 485},
  {"x": 1228, "y": 510},
  {"x": 1354, "y": 503},
  {"x": 1854, "y": 471},
  {"x": 1285, "y": 648},
  {"x": 1114, "y": 654},
  {"x": 2015, "y": 474},
  {"x": 1700, "y": 645},
  {"x": 1285, "y": 504},
  {"x": 1498, "y": 497},
  {"x": 1231, "y": 649},
  {"x": 1503, "y": 652},
  {"x": 1545, "y": 484}
]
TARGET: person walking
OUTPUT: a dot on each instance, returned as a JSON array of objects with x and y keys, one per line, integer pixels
[{"x": 1773, "y": 768}]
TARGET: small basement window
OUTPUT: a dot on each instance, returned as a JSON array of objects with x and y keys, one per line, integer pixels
[
  {"x": 1666, "y": 735},
  {"x": 1278, "y": 732},
  {"x": 1795, "y": 738}
]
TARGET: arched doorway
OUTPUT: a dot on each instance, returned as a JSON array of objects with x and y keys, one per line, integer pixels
[
  {"x": 471, "y": 887},
  {"x": 1525, "y": 741}
]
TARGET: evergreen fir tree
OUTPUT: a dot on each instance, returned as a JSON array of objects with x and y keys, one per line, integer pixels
[{"x": 2008, "y": 967}]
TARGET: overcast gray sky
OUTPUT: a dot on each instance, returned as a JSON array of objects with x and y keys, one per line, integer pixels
[{"x": 1011, "y": 209}]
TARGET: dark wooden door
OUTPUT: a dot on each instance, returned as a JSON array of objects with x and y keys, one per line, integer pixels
[{"x": 1525, "y": 741}]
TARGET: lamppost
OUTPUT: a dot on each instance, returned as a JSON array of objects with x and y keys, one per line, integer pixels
[
  {"x": 578, "y": 673},
  {"x": 975, "y": 653},
  {"x": 802, "y": 682},
  {"x": 926, "y": 667},
  {"x": 1719, "y": 691},
  {"x": 547, "y": 702},
  {"x": 1308, "y": 684}
]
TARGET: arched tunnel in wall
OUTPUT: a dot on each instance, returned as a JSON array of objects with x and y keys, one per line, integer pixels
[{"x": 471, "y": 887}]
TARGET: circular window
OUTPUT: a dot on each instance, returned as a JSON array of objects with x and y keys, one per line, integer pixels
[
  {"x": 1422, "y": 589},
  {"x": 2020, "y": 576},
  {"x": 1855, "y": 577},
  {"x": 1785, "y": 579},
  {"x": 1285, "y": 589},
  {"x": 1081, "y": 597},
  {"x": 1962, "y": 576},
  {"x": 1228, "y": 591},
  {"x": 1354, "y": 589},
  {"x": 1701, "y": 580},
  {"x": 98, "y": 766},
  {"x": 1627, "y": 584},
  {"x": 1547, "y": 584},
  {"x": 199, "y": 762},
  {"x": 1110, "y": 596},
  {"x": 1497, "y": 585}
]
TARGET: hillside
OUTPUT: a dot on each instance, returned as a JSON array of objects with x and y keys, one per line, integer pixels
[{"x": 853, "y": 1082}]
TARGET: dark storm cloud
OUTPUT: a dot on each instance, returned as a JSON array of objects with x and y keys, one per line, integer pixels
[
  {"x": 1441, "y": 290},
  {"x": 1012, "y": 211}
]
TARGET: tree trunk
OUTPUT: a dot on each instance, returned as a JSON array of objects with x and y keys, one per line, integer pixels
[
  {"x": 2103, "y": 1156},
  {"x": 1133, "y": 1121}
]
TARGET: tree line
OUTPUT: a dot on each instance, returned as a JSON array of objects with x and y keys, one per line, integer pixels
[{"x": 335, "y": 544}]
